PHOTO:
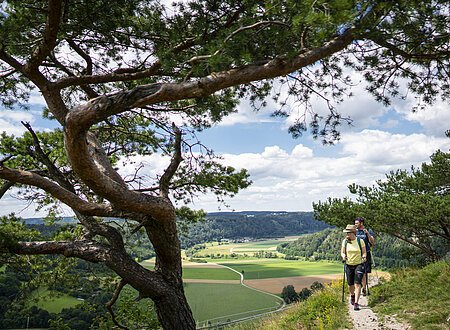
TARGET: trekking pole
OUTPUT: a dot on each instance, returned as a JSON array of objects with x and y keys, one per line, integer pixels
[
  {"x": 343, "y": 285},
  {"x": 367, "y": 277},
  {"x": 367, "y": 282}
]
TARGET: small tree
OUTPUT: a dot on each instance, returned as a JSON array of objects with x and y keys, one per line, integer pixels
[
  {"x": 289, "y": 295},
  {"x": 304, "y": 294},
  {"x": 413, "y": 206},
  {"x": 316, "y": 286}
]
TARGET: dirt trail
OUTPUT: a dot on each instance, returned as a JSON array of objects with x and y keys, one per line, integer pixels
[{"x": 366, "y": 319}]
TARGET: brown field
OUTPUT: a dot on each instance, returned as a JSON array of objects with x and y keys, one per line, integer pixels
[{"x": 276, "y": 285}]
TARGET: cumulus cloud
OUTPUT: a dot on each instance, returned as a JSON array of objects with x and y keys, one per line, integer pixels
[
  {"x": 435, "y": 119},
  {"x": 292, "y": 180},
  {"x": 10, "y": 121}
]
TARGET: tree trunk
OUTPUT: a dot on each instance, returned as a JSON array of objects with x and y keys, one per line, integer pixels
[{"x": 174, "y": 312}]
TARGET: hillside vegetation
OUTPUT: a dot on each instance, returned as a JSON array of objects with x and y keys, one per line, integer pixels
[
  {"x": 322, "y": 310},
  {"x": 388, "y": 252},
  {"x": 419, "y": 296}
]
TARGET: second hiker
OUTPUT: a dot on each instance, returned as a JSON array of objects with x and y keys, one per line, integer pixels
[
  {"x": 353, "y": 253},
  {"x": 368, "y": 237}
]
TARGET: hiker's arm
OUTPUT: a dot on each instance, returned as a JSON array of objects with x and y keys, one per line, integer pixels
[
  {"x": 370, "y": 237},
  {"x": 343, "y": 256},
  {"x": 363, "y": 250}
]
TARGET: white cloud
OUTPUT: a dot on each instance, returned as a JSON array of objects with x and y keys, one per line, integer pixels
[
  {"x": 284, "y": 181},
  {"x": 434, "y": 119},
  {"x": 10, "y": 121}
]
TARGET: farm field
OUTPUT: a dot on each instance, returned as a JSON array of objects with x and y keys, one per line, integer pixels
[
  {"x": 209, "y": 273},
  {"x": 269, "y": 245},
  {"x": 220, "y": 302},
  {"x": 269, "y": 268}
]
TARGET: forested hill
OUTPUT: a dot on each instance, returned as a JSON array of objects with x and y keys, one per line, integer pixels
[
  {"x": 388, "y": 251},
  {"x": 251, "y": 224},
  {"x": 235, "y": 225}
]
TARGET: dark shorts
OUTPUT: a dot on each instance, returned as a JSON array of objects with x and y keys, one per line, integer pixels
[
  {"x": 354, "y": 274},
  {"x": 368, "y": 263}
]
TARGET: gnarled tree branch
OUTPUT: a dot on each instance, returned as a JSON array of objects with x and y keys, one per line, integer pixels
[
  {"x": 65, "y": 196},
  {"x": 50, "y": 34},
  {"x": 164, "y": 182},
  {"x": 113, "y": 300}
]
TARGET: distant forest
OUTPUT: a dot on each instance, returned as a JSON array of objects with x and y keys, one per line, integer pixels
[{"x": 233, "y": 225}]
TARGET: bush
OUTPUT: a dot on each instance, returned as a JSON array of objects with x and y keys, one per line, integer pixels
[{"x": 322, "y": 310}]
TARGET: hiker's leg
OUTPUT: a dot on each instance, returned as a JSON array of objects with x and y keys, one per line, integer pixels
[
  {"x": 357, "y": 292},
  {"x": 351, "y": 288},
  {"x": 358, "y": 280}
]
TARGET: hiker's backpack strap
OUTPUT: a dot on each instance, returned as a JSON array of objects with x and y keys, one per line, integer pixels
[{"x": 359, "y": 244}]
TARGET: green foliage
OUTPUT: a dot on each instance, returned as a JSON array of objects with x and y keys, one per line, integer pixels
[
  {"x": 388, "y": 252},
  {"x": 12, "y": 230},
  {"x": 419, "y": 296},
  {"x": 410, "y": 205},
  {"x": 134, "y": 313},
  {"x": 322, "y": 310},
  {"x": 289, "y": 295}
]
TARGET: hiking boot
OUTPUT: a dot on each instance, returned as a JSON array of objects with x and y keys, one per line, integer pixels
[
  {"x": 356, "y": 307},
  {"x": 364, "y": 292},
  {"x": 352, "y": 299}
]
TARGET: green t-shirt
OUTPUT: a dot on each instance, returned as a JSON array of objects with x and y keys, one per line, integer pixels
[{"x": 353, "y": 251}]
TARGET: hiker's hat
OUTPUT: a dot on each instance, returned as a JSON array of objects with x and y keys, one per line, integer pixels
[{"x": 350, "y": 229}]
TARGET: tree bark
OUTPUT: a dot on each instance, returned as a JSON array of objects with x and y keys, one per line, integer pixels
[{"x": 173, "y": 310}]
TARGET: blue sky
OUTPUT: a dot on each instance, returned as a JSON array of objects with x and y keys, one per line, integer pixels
[{"x": 289, "y": 174}]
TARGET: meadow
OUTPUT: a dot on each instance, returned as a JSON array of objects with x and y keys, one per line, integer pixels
[
  {"x": 52, "y": 301},
  {"x": 222, "y": 302}
]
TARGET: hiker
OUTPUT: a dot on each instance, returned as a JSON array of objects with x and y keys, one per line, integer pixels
[
  {"x": 368, "y": 237},
  {"x": 353, "y": 253}
]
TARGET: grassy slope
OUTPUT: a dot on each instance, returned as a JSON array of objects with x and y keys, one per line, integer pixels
[
  {"x": 323, "y": 310},
  {"x": 420, "y": 296},
  {"x": 52, "y": 301}
]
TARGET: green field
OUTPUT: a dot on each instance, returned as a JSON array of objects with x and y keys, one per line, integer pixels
[
  {"x": 283, "y": 268},
  {"x": 199, "y": 272},
  {"x": 220, "y": 302},
  {"x": 209, "y": 273},
  {"x": 52, "y": 301}
]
